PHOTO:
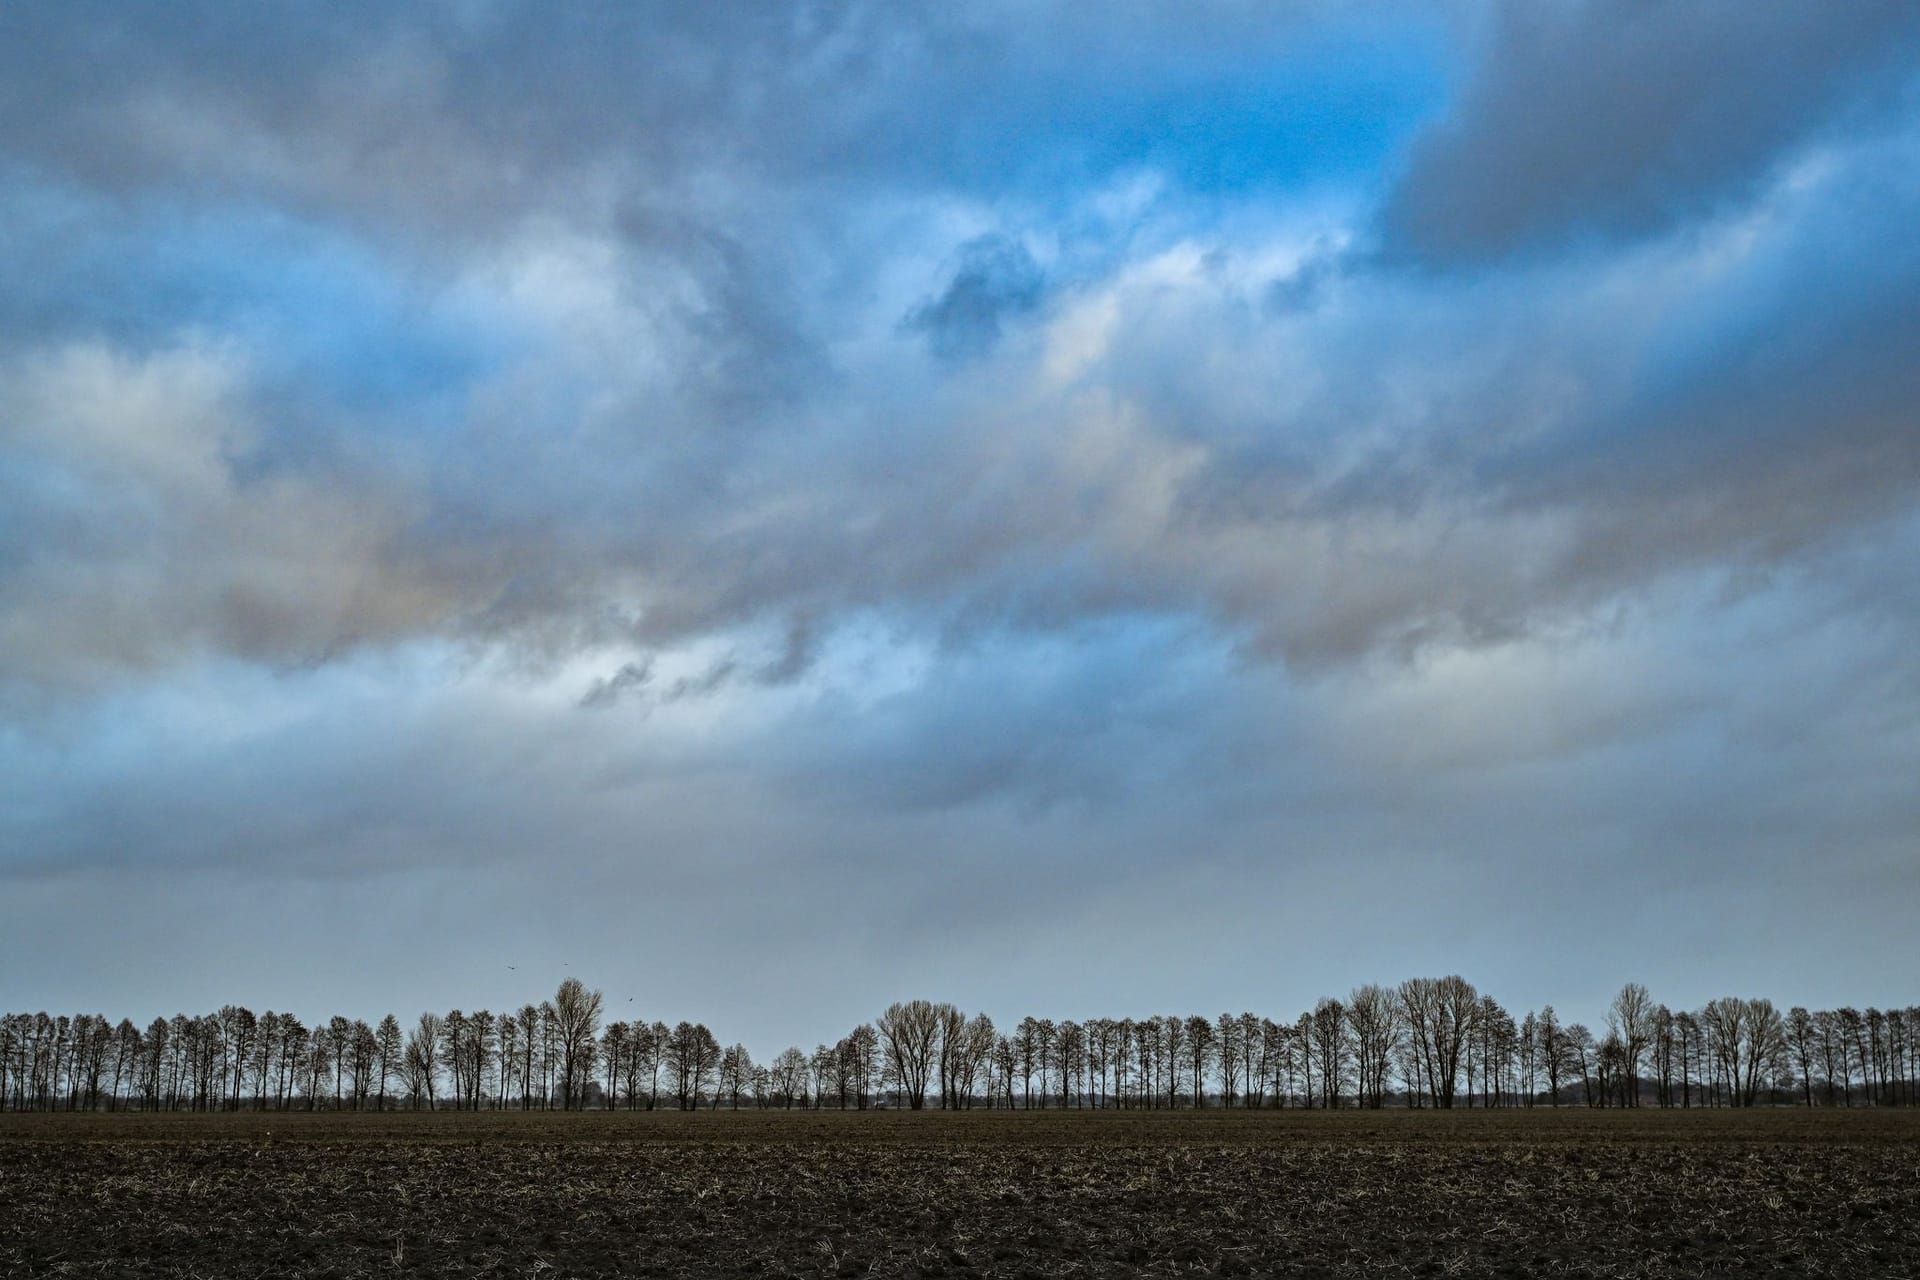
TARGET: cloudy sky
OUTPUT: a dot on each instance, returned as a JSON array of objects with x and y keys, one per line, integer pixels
[{"x": 1082, "y": 509}]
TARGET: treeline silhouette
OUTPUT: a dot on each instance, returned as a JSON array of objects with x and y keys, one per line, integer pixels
[{"x": 1429, "y": 1042}]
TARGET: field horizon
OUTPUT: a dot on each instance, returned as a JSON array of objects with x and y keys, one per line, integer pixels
[{"x": 1778, "y": 1123}]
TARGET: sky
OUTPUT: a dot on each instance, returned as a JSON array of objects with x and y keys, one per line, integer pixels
[{"x": 1072, "y": 509}]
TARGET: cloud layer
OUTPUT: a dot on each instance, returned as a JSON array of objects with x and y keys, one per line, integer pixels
[{"x": 916, "y": 467}]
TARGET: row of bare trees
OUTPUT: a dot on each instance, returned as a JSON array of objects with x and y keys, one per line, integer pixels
[{"x": 1428, "y": 1042}]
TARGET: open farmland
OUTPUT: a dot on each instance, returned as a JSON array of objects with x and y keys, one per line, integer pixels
[{"x": 1572, "y": 1192}]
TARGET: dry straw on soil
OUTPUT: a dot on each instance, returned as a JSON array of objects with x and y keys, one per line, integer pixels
[{"x": 1048, "y": 1194}]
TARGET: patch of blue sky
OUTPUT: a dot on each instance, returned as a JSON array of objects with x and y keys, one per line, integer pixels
[
  {"x": 1336, "y": 107},
  {"x": 1098, "y": 172}
]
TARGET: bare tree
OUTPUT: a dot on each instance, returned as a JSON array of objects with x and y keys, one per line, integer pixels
[
  {"x": 790, "y": 1077},
  {"x": 527, "y": 1033},
  {"x": 1069, "y": 1054},
  {"x": 576, "y": 1013},
  {"x": 423, "y": 1055},
  {"x": 238, "y": 1027},
  {"x": 387, "y": 1046},
  {"x": 1171, "y": 1049},
  {"x": 909, "y": 1030},
  {"x": 1801, "y": 1035},
  {"x": 1762, "y": 1041},
  {"x": 952, "y": 1037},
  {"x": 1686, "y": 1031},
  {"x": 735, "y": 1074},
  {"x": 977, "y": 1055},
  {"x": 855, "y": 1066},
  {"x": 1226, "y": 1030},
  {"x": 1003, "y": 1060},
  {"x": 1439, "y": 1015},
  {"x": 1577, "y": 1049},
  {"x": 692, "y": 1054},
  {"x": 1374, "y": 1023},
  {"x": 1253, "y": 1059},
  {"x": 1631, "y": 1018},
  {"x": 1200, "y": 1041},
  {"x": 613, "y": 1059},
  {"x": 1330, "y": 1045},
  {"x": 363, "y": 1057}
]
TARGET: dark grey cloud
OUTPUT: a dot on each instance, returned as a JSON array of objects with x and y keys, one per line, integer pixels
[
  {"x": 1306, "y": 284},
  {"x": 609, "y": 690},
  {"x": 995, "y": 281},
  {"x": 1603, "y": 118}
]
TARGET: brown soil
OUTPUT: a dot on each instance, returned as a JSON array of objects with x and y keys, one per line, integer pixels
[{"x": 1573, "y": 1193}]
